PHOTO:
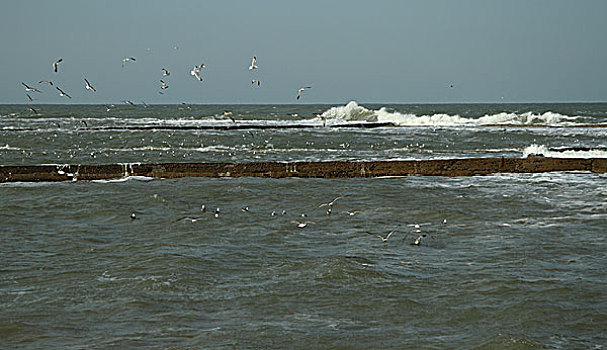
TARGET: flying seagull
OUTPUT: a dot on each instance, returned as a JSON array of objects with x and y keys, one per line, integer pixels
[
  {"x": 165, "y": 72},
  {"x": 196, "y": 71},
  {"x": 164, "y": 85},
  {"x": 62, "y": 93},
  {"x": 128, "y": 59},
  {"x": 128, "y": 102},
  {"x": 56, "y": 63},
  {"x": 383, "y": 239},
  {"x": 33, "y": 110},
  {"x": 89, "y": 86},
  {"x": 255, "y": 81},
  {"x": 302, "y": 90},
  {"x": 330, "y": 204},
  {"x": 253, "y": 63},
  {"x": 229, "y": 115},
  {"x": 28, "y": 88},
  {"x": 46, "y": 82},
  {"x": 322, "y": 118}
]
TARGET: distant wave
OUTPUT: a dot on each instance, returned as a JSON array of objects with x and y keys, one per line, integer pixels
[
  {"x": 564, "y": 153},
  {"x": 354, "y": 112}
]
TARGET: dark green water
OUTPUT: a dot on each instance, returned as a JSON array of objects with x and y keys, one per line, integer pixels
[{"x": 520, "y": 262}]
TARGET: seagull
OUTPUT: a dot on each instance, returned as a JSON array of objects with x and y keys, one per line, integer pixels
[
  {"x": 229, "y": 115},
  {"x": 33, "y": 110},
  {"x": 89, "y": 86},
  {"x": 418, "y": 240},
  {"x": 255, "y": 81},
  {"x": 216, "y": 213},
  {"x": 203, "y": 208},
  {"x": 383, "y": 239},
  {"x": 352, "y": 212},
  {"x": 245, "y": 209},
  {"x": 330, "y": 204},
  {"x": 133, "y": 216},
  {"x": 128, "y": 59},
  {"x": 28, "y": 88},
  {"x": 164, "y": 85},
  {"x": 56, "y": 63},
  {"x": 62, "y": 93},
  {"x": 108, "y": 108},
  {"x": 323, "y": 119},
  {"x": 301, "y": 224},
  {"x": 196, "y": 71},
  {"x": 46, "y": 82},
  {"x": 128, "y": 102},
  {"x": 253, "y": 63},
  {"x": 165, "y": 72},
  {"x": 302, "y": 90}
]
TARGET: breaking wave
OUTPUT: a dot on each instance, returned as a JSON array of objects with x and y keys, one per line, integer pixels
[
  {"x": 354, "y": 112},
  {"x": 565, "y": 152}
]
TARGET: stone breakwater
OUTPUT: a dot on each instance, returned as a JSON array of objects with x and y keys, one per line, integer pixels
[{"x": 325, "y": 169}]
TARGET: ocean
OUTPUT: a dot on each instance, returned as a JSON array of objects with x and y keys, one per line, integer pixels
[{"x": 515, "y": 261}]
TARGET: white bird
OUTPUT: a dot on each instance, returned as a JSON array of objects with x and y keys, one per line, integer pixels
[
  {"x": 164, "y": 85},
  {"x": 330, "y": 204},
  {"x": 196, "y": 71},
  {"x": 29, "y": 88},
  {"x": 128, "y": 102},
  {"x": 253, "y": 63},
  {"x": 165, "y": 72},
  {"x": 46, "y": 82},
  {"x": 323, "y": 119},
  {"x": 418, "y": 240},
  {"x": 302, "y": 90},
  {"x": 56, "y": 63},
  {"x": 128, "y": 59},
  {"x": 302, "y": 224},
  {"x": 383, "y": 239},
  {"x": 62, "y": 93},
  {"x": 89, "y": 86},
  {"x": 229, "y": 115}
]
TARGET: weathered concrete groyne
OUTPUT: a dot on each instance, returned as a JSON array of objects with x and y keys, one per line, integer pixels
[{"x": 330, "y": 169}]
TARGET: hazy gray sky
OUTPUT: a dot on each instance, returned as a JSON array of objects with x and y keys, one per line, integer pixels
[{"x": 368, "y": 51}]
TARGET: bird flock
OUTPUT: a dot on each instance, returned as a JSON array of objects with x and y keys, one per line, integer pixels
[
  {"x": 412, "y": 233},
  {"x": 195, "y": 72}
]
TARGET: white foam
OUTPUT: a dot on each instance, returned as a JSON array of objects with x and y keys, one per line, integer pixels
[
  {"x": 544, "y": 151},
  {"x": 352, "y": 111},
  {"x": 9, "y": 148}
]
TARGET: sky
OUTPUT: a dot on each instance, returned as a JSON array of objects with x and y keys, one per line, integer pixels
[{"x": 368, "y": 51}]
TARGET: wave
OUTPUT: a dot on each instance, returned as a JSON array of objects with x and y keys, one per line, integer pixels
[
  {"x": 564, "y": 153},
  {"x": 354, "y": 112}
]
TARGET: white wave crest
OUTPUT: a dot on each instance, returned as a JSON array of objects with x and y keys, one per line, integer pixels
[
  {"x": 546, "y": 152},
  {"x": 353, "y": 111}
]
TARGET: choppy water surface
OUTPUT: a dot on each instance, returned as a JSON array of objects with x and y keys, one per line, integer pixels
[{"x": 520, "y": 262}]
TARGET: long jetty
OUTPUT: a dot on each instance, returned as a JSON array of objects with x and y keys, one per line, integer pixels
[{"x": 322, "y": 169}]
